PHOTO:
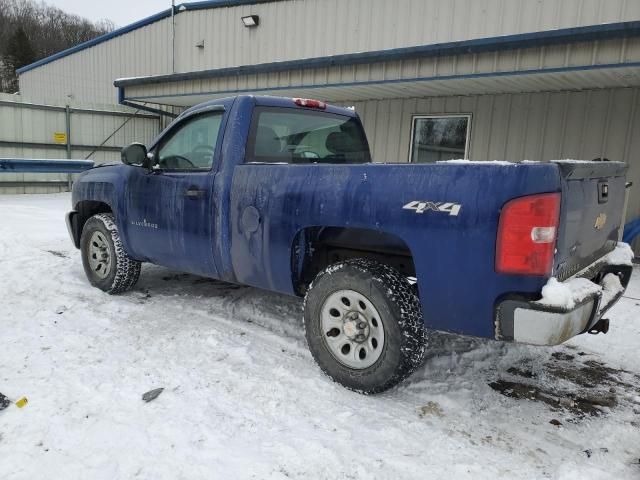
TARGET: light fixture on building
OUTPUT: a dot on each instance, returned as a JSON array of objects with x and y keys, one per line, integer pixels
[
  {"x": 200, "y": 44},
  {"x": 251, "y": 21}
]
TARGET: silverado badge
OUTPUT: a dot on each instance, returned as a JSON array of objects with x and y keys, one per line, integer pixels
[{"x": 144, "y": 224}]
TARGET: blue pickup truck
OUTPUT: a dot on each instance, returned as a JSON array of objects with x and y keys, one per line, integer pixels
[{"x": 281, "y": 194}]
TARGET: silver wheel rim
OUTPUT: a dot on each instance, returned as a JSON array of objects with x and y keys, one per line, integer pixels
[
  {"x": 99, "y": 255},
  {"x": 352, "y": 329}
]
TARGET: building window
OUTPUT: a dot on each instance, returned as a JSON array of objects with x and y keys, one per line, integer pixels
[{"x": 439, "y": 137}]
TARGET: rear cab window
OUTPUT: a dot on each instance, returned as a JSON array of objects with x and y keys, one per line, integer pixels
[{"x": 292, "y": 135}]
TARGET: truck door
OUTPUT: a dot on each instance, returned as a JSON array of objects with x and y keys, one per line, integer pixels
[{"x": 170, "y": 209}]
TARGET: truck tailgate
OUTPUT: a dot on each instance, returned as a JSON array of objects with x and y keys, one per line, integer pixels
[{"x": 590, "y": 214}]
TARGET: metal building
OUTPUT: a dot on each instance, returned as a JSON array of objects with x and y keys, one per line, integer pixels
[
  {"x": 432, "y": 79},
  {"x": 67, "y": 131}
]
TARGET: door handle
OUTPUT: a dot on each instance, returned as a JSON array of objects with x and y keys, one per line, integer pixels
[{"x": 194, "y": 193}]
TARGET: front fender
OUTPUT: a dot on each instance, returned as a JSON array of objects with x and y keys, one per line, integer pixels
[{"x": 103, "y": 185}]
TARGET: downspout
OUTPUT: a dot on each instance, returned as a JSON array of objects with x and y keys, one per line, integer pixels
[
  {"x": 67, "y": 116},
  {"x": 173, "y": 36}
]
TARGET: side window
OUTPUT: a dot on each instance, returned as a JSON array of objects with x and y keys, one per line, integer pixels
[
  {"x": 191, "y": 146},
  {"x": 289, "y": 135},
  {"x": 436, "y": 138}
]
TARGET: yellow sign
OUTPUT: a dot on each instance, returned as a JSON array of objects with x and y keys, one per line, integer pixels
[
  {"x": 60, "y": 137},
  {"x": 600, "y": 221}
]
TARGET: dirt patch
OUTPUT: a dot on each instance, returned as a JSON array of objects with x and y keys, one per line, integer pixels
[
  {"x": 562, "y": 356},
  {"x": 56, "y": 253},
  {"x": 568, "y": 384},
  {"x": 590, "y": 374},
  {"x": 520, "y": 372},
  {"x": 431, "y": 409},
  {"x": 569, "y": 401}
]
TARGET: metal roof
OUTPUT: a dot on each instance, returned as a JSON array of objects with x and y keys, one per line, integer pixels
[{"x": 139, "y": 24}]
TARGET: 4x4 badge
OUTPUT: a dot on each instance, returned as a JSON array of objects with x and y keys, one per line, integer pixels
[{"x": 423, "y": 206}]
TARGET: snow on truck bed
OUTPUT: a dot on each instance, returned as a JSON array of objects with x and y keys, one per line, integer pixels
[
  {"x": 243, "y": 399},
  {"x": 464, "y": 161}
]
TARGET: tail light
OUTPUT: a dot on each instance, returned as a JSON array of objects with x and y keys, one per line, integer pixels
[
  {"x": 527, "y": 235},
  {"x": 305, "y": 102}
]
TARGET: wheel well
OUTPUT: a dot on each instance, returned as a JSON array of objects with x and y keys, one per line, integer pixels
[
  {"x": 87, "y": 209},
  {"x": 315, "y": 248}
]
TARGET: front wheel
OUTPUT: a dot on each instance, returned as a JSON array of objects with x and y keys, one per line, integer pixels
[
  {"x": 364, "y": 325},
  {"x": 106, "y": 264}
]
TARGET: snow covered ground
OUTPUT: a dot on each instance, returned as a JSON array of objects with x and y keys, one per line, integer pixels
[{"x": 243, "y": 398}]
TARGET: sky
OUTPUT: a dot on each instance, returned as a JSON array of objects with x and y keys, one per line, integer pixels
[{"x": 121, "y": 12}]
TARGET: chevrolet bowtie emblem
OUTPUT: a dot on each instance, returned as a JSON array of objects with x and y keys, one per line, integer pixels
[{"x": 600, "y": 221}]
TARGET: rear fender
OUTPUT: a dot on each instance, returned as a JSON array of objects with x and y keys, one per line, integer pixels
[{"x": 315, "y": 248}]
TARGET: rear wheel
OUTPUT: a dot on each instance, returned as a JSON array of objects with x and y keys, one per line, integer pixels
[
  {"x": 106, "y": 264},
  {"x": 364, "y": 325}
]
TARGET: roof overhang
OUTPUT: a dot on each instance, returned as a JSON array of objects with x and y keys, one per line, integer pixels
[
  {"x": 598, "y": 56},
  {"x": 605, "y": 76}
]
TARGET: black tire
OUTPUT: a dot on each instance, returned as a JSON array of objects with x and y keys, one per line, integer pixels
[
  {"x": 124, "y": 270},
  {"x": 391, "y": 294}
]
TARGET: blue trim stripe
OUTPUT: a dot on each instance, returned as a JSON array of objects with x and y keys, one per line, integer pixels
[
  {"x": 222, "y": 3},
  {"x": 44, "y": 166},
  {"x": 139, "y": 24},
  {"x": 404, "y": 80},
  {"x": 505, "y": 42}
]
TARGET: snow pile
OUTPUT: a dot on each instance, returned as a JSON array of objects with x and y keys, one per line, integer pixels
[
  {"x": 570, "y": 160},
  {"x": 621, "y": 255},
  {"x": 567, "y": 294},
  {"x": 611, "y": 287},
  {"x": 478, "y": 162},
  {"x": 503, "y": 162},
  {"x": 571, "y": 292}
]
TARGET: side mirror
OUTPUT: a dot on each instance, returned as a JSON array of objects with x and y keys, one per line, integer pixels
[{"x": 135, "y": 154}]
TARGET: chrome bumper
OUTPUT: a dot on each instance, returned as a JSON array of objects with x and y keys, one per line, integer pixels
[{"x": 530, "y": 321}]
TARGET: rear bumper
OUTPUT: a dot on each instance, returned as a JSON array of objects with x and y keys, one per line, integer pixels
[
  {"x": 72, "y": 227},
  {"x": 531, "y": 321}
]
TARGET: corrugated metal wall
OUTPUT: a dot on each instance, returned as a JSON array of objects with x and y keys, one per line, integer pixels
[
  {"x": 87, "y": 76},
  {"x": 527, "y": 126},
  {"x": 295, "y": 29},
  {"x": 27, "y": 131},
  {"x": 430, "y": 76}
]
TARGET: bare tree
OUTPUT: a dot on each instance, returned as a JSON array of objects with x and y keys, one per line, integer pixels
[{"x": 30, "y": 31}]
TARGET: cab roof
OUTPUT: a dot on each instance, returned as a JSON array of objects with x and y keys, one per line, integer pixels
[{"x": 267, "y": 101}]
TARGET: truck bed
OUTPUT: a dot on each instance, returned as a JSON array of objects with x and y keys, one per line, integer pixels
[{"x": 453, "y": 254}]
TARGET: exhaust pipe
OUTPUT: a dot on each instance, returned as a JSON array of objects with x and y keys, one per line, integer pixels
[{"x": 601, "y": 326}]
